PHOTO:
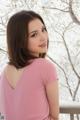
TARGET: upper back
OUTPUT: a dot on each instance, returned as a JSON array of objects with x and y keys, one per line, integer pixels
[{"x": 12, "y": 74}]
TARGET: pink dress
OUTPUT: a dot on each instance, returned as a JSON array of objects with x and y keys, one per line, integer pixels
[{"x": 28, "y": 100}]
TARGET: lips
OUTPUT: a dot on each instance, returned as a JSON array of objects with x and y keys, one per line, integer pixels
[{"x": 43, "y": 45}]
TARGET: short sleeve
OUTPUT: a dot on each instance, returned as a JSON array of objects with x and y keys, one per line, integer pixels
[
  {"x": 1, "y": 96},
  {"x": 49, "y": 73}
]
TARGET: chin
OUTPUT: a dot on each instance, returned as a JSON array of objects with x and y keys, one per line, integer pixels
[{"x": 43, "y": 51}]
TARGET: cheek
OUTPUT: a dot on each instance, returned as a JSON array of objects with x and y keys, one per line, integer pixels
[
  {"x": 32, "y": 44},
  {"x": 47, "y": 36}
]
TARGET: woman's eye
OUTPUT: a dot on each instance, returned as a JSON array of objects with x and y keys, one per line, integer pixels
[
  {"x": 34, "y": 35},
  {"x": 44, "y": 29}
]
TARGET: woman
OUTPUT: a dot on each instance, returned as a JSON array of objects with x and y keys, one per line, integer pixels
[{"x": 29, "y": 81}]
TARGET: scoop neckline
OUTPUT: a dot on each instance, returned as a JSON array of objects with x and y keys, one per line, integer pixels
[{"x": 20, "y": 78}]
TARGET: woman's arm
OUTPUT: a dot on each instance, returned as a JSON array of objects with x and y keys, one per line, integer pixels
[{"x": 53, "y": 99}]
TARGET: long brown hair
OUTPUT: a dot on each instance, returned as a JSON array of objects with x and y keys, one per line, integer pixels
[{"x": 17, "y": 38}]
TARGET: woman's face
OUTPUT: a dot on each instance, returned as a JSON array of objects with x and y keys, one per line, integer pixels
[{"x": 37, "y": 38}]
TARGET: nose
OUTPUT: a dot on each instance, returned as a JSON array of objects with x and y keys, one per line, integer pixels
[{"x": 43, "y": 37}]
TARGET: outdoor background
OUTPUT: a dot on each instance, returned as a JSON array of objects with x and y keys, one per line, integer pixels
[{"x": 62, "y": 18}]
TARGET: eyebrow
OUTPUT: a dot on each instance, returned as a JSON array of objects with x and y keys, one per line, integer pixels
[
  {"x": 33, "y": 31},
  {"x": 36, "y": 30}
]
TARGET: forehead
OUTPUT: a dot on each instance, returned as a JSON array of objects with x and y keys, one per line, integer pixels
[{"x": 35, "y": 24}]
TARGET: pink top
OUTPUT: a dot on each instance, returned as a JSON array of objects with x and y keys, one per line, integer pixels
[{"x": 28, "y": 100}]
